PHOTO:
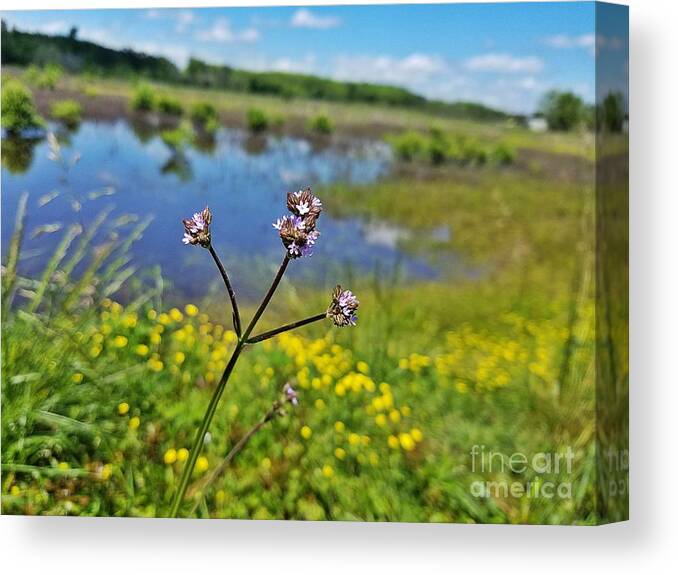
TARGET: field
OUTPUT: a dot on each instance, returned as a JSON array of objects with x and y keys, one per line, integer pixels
[{"x": 104, "y": 383}]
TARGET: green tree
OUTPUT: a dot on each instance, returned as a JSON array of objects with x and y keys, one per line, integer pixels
[
  {"x": 564, "y": 111},
  {"x": 611, "y": 113}
]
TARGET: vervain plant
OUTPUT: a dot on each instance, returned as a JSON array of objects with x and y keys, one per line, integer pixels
[{"x": 298, "y": 234}]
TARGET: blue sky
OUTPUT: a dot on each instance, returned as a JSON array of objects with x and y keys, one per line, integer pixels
[{"x": 504, "y": 55}]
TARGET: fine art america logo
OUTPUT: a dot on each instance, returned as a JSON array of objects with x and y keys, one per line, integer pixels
[{"x": 541, "y": 474}]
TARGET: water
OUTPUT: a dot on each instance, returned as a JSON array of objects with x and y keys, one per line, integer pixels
[{"x": 243, "y": 180}]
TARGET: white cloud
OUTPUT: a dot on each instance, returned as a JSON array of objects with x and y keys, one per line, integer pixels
[
  {"x": 563, "y": 41},
  {"x": 222, "y": 33},
  {"x": 182, "y": 18},
  {"x": 411, "y": 69},
  {"x": 504, "y": 64},
  {"x": 304, "y": 18},
  {"x": 589, "y": 42}
]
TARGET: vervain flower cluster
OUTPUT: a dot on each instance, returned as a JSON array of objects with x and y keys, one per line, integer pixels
[
  {"x": 197, "y": 229},
  {"x": 298, "y": 234},
  {"x": 298, "y": 231},
  {"x": 342, "y": 310}
]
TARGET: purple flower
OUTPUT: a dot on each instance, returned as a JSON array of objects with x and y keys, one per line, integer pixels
[
  {"x": 304, "y": 204},
  {"x": 343, "y": 307},
  {"x": 197, "y": 229},
  {"x": 297, "y": 237},
  {"x": 291, "y": 394}
]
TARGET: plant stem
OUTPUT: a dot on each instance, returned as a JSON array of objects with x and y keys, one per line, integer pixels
[
  {"x": 202, "y": 430},
  {"x": 219, "y": 390},
  {"x": 289, "y": 326},
  {"x": 231, "y": 293},
  {"x": 202, "y": 485}
]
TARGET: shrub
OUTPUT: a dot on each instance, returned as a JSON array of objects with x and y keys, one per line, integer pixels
[
  {"x": 409, "y": 145},
  {"x": 32, "y": 74},
  {"x": 438, "y": 148},
  {"x": 50, "y": 76},
  {"x": 321, "y": 124},
  {"x": 468, "y": 151},
  {"x": 170, "y": 106},
  {"x": 178, "y": 137},
  {"x": 69, "y": 112},
  {"x": 18, "y": 108},
  {"x": 203, "y": 112},
  {"x": 143, "y": 99},
  {"x": 257, "y": 120},
  {"x": 502, "y": 155}
]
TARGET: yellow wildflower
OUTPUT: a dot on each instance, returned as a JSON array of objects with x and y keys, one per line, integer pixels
[
  {"x": 380, "y": 420},
  {"x": 179, "y": 357},
  {"x": 182, "y": 454},
  {"x": 339, "y": 426},
  {"x": 353, "y": 439},
  {"x": 152, "y": 314},
  {"x": 394, "y": 416},
  {"x": 175, "y": 314},
  {"x": 406, "y": 441},
  {"x": 306, "y": 432},
  {"x": 202, "y": 464},
  {"x": 77, "y": 377},
  {"x": 106, "y": 471},
  {"x": 142, "y": 349},
  {"x": 191, "y": 310},
  {"x": 123, "y": 408},
  {"x": 328, "y": 471},
  {"x": 362, "y": 367},
  {"x": 134, "y": 423},
  {"x": 170, "y": 456},
  {"x": 340, "y": 453},
  {"x": 393, "y": 442},
  {"x": 119, "y": 341}
]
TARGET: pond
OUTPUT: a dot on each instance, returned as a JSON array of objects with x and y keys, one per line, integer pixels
[{"x": 129, "y": 170}]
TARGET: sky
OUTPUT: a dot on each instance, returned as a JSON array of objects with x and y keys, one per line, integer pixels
[{"x": 502, "y": 55}]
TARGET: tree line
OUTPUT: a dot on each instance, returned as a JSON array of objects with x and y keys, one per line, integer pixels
[{"x": 80, "y": 56}]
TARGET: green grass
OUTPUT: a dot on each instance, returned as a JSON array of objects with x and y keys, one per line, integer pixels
[
  {"x": 354, "y": 117},
  {"x": 95, "y": 394}
]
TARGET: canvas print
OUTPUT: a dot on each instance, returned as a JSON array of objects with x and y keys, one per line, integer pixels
[{"x": 341, "y": 263}]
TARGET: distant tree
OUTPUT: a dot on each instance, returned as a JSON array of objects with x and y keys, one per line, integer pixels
[
  {"x": 563, "y": 111},
  {"x": 73, "y": 34},
  {"x": 611, "y": 113}
]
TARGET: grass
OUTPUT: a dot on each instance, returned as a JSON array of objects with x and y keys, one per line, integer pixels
[
  {"x": 102, "y": 394},
  {"x": 353, "y": 118},
  {"x": 109, "y": 396}
]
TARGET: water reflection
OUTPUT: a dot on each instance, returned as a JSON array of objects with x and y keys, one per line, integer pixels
[
  {"x": 17, "y": 153},
  {"x": 243, "y": 179}
]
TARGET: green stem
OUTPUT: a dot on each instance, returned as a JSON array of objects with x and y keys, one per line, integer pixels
[
  {"x": 202, "y": 486},
  {"x": 289, "y": 326},
  {"x": 218, "y": 392},
  {"x": 231, "y": 292}
]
